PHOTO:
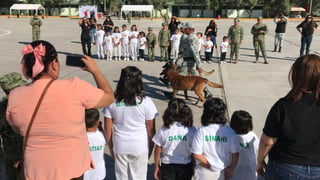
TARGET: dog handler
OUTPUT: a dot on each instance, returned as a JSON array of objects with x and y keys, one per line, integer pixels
[{"x": 191, "y": 57}]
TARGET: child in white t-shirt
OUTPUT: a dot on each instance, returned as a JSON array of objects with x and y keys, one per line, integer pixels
[
  {"x": 125, "y": 42},
  {"x": 173, "y": 142},
  {"x": 142, "y": 45},
  {"x": 97, "y": 143},
  {"x": 116, "y": 40},
  {"x": 108, "y": 47},
  {"x": 215, "y": 145},
  {"x": 199, "y": 35},
  {"x": 208, "y": 49},
  {"x": 175, "y": 42},
  {"x": 224, "y": 49},
  {"x": 133, "y": 46},
  {"x": 98, "y": 41},
  {"x": 241, "y": 123}
]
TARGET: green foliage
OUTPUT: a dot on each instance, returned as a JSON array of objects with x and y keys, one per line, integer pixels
[{"x": 278, "y": 6}]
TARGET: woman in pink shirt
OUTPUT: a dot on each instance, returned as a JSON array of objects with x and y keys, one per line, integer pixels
[{"x": 57, "y": 147}]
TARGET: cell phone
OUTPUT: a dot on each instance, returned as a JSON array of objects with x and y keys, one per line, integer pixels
[{"x": 74, "y": 60}]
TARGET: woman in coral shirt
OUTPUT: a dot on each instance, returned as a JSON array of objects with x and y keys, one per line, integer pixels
[{"x": 57, "y": 147}]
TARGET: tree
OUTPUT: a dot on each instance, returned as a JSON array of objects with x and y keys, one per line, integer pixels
[
  {"x": 274, "y": 7},
  {"x": 249, "y": 5}
]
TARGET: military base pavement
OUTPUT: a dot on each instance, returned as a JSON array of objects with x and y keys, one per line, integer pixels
[{"x": 247, "y": 86}]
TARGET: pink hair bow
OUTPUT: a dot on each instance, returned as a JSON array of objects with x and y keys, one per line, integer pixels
[{"x": 38, "y": 52}]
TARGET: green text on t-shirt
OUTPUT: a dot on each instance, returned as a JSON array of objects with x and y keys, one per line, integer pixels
[
  {"x": 177, "y": 138},
  {"x": 216, "y": 138},
  {"x": 96, "y": 148}
]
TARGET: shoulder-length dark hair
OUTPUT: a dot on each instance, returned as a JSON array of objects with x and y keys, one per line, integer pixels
[
  {"x": 214, "y": 112},
  {"x": 306, "y": 24},
  {"x": 304, "y": 77},
  {"x": 49, "y": 56},
  {"x": 241, "y": 122},
  {"x": 177, "y": 110},
  {"x": 130, "y": 86}
]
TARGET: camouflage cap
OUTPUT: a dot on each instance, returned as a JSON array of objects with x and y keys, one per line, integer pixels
[
  {"x": 11, "y": 81},
  {"x": 236, "y": 20},
  {"x": 259, "y": 18},
  {"x": 164, "y": 24},
  {"x": 150, "y": 28},
  {"x": 182, "y": 25},
  {"x": 189, "y": 25}
]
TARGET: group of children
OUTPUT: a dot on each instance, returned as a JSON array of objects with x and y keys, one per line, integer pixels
[
  {"x": 116, "y": 45},
  {"x": 221, "y": 151}
]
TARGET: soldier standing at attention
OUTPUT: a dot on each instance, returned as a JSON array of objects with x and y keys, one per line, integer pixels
[
  {"x": 164, "y": 42},
  {"x": 235, "y": 36},
  {"x": 191, "y": 56},
  {"x": 259, "y": 30},
  {"x": 35, "y": 22},
  {"x": 12, "y": 142},
  {"x": 151, "y": 43},
  {"x": 280, "y": 31}
]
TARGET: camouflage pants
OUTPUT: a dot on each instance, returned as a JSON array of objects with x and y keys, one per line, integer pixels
[
  {"x": 234, "y": 50},
  {"x": 35, "y": 35},
  {"x": 151, "y": 53},
  {"x": 258, "y": 43},
  {"x": 188, "y": 67},
  {"x": 164, "y": 53}
]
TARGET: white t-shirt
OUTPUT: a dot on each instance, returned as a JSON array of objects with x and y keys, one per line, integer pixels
[
  {"x": 175, "y": 40},
  {"x": 216, "y": 142},
  {"x": 247, "y": 162},
  {"x": 116, "y": 37},
  {"x": 224, "y": 46},
  {"x": 99, "y": 36},
  {"x": 175, "y": 142},
  {"x": 133, "y": 35},
  {"x": 209, "y": 45},
  {"x": 97, "y": 143},
  {"x": 108, "y": 42},
  {"x": 125, "y": 37},
  {"x": 142, "y": 41},
  {"x": 200, "y": 44},
  {"x": 129, "y": 125}
]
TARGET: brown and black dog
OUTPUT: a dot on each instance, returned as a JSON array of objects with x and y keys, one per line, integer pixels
[{"x": 179, "y": 82}]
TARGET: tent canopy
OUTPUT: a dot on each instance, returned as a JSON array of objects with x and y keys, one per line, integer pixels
[
  {"x": 129, "y": 8},
  {"x": 297, "y": 9},
  {"x": 28, "y": 7}
]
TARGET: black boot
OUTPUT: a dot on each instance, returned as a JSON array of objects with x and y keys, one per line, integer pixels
[
  {"x": 279, "y": 49},
  {"x": 275, "y": 49}
]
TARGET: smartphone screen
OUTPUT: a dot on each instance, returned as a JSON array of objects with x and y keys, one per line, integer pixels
[{"x": 74, "y": 60}]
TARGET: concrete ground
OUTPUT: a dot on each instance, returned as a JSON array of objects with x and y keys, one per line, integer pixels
[{"x": 247, "y": 86}]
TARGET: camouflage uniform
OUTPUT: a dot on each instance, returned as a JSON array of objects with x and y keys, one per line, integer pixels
[
  {"x": 164, "y": 42},
  {"x": 35, "y": 22},
  {"x": 235, "y": 35},
  {"x": 151, "y": 43},
  {"x": 12, "y": 143},
  {"x": 258, "y": 40}
]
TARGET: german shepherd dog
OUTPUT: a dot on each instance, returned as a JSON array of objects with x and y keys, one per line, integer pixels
[{"x": 179, "y": 82}]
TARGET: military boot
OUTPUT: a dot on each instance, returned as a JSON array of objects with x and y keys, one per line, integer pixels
[
  {"x": 275, "y": 49},
  {"x": 257, "y": 60},
  {"x": 265, "y": 61},
  {"x": 279, "y": 49}
]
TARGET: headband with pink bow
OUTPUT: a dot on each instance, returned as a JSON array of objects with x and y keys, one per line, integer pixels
[{"x": 38, "y": 66}]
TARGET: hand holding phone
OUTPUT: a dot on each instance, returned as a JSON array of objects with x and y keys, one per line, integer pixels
[{"x": 75, "y": 60}]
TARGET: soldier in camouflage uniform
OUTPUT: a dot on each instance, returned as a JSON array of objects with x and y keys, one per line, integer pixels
[
  {"x": 12, "y": 143},
  {"x": 191, "y": 57},
  {"x": 235, "y": 36},
  {"x": 164, "y": 42},
  {"x": 35, "y": 22},
  {"x": 259, "y": 30},
  {"x": 151, "y": 43}
]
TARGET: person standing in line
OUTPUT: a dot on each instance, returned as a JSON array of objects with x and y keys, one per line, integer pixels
[
  {"x": 125, "y": 42},
  {"x": 291, "y": 135},
  {"x": 108, "y": 46},
  {"x": 99, "y": 38},
  {"x": 201, "y": 41},
  {"x": 173, "y": 25},
  {"x": 97, "y": 143},
  {"x": 133, "y": 38},
  {"x": 212, "y": 31},
  {"x": 241, "y": 123},
  {"x": 142, "y": 45},
  {"x": 172, "y": 156},
  {"x": 306, "y": 28},
  {"x": 151, "y": 43},
  {"x": 93, "y": 27},
  {"x": 116, "y": 41},
  {"x": 85, "y": 36},
  {"x": 12, "y": 142},
  {"x": 259, "y": 30},
  {"x": 164, "y": 41},
  {"x": 207, "y": 49},
  {"x": 130, "y": 126},
  {"x": 108, "y": 24},
  {"x": 235, "y": 36},
  {"x": 280, "y": 32},
  {"x": 36, "y": 23},
  {"x": 223, "y": 49},
  {"x": 215, "y": 146},
  {"x": 175, "y": 42}
]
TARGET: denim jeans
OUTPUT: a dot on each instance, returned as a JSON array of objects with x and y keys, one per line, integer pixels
[
  {"x": 285, "y": 171},
  {"x": 305, "y": 44}
]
